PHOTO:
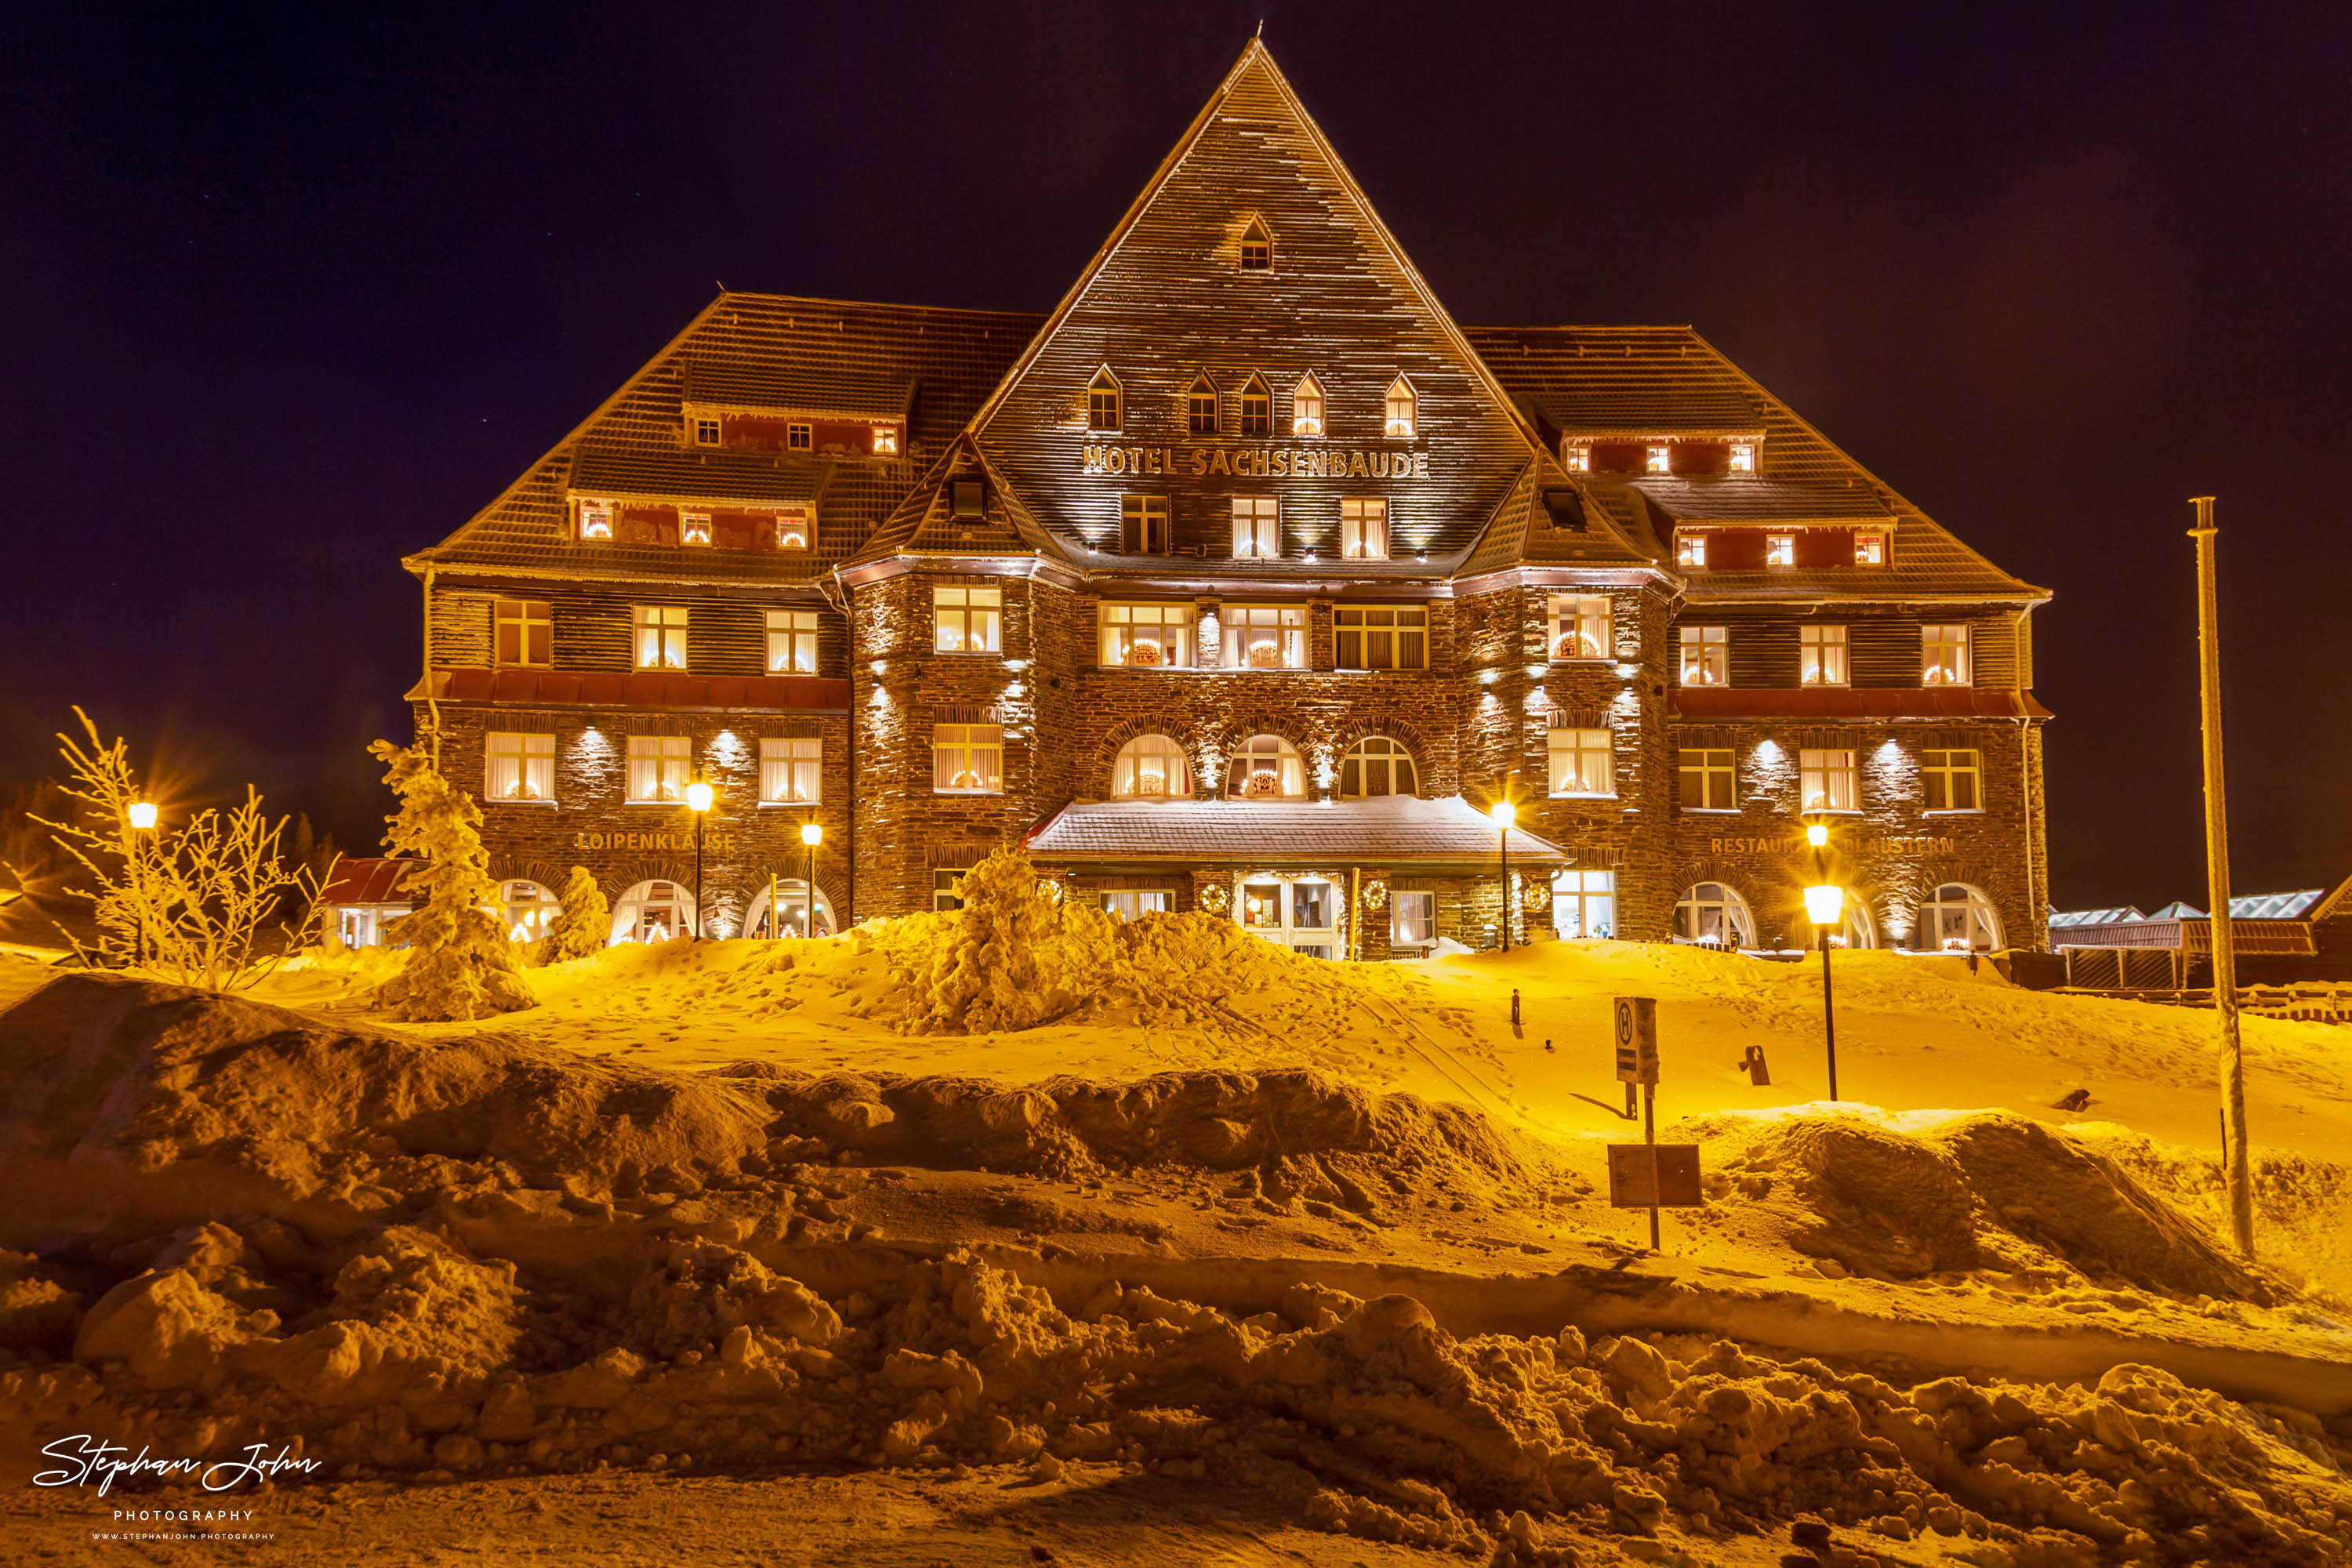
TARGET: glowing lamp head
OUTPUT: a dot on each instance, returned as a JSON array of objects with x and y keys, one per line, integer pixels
[
  {"x": 1825, "y": 903},
  {"x": 1817, "y": 834},
  {"x": 698, "y": 795},
  {"x": 142, "y": 815},
  {"x": 812, "y": 834},
  {"x": 1504, "y": 813}
]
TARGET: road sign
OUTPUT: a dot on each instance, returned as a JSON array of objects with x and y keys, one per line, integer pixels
[
  {"x": 1677, "y": 1183},
  {"x": 1637, "y": 1039}
]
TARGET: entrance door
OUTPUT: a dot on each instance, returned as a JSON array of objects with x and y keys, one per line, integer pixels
[{"x": 1301, "y": 913}]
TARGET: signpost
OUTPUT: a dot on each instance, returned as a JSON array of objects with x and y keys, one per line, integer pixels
[{"x": 1647, "y": 1175}]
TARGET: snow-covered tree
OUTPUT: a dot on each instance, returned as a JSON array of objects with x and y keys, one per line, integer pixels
[
  {"x": 585, "y": 922},
  {"x": 459, "y": 963},
  {"x": 1020, "y": 954}
]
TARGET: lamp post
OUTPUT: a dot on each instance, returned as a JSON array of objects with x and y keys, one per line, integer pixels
[
  {"x": 1504, "y": 814},
  {"x": 142, "y": 816},
  {"x": 1825, "y": 903},
  {"x": 697, "y": 801},
  {"x": 811, "y": 835},
  {"x": 2236, "y": 1168}
]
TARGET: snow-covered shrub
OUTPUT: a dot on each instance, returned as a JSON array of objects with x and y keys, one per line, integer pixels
[
  {"x": 1018, "y": 957},
  {"x": 460, "y": 965},
  {"x": 584, "y": 924}
]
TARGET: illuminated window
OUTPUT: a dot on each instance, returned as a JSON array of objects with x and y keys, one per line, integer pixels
[
  {"x": 886, "y": 440},
  {"x": 800, "y": 436},
  {"x": 1955, "y": 780},
  {"x": 1960, "y": 918},
  {"x": 967, "y": 759},
  {"x": 1579, "y": 626},
  {"x": 1151, "y": 767},
  {"x": 1258, "y": 408},
  {"x": 526, "y": 632},
  {"x": 965, "y": 620},
  {"x": 1257, "y": 247},
  {"x": 792, "y": 642},
  {"x": 1264, "y": 636},
  {"x": 1578, "y": 459},
  {"x": 1413, "y": 919},
  {"x": 1403, "y": 421},
  {"x": 694, "y": 528},
  {"x": 1377, "y": 766},
  {"x": 793, "y": 529},
  {"x": 1826, "y": 780},
  {"x": 1944, "y": 656},
  {"x": 1266, "y": 767},
  {"x": 1370, "y": 636},
  {"x": 1703, "y": 775},
  {"x": 1743, "y": 458},
  {"x": 1102, "y": 401},
  {"x": 1134, "y": 903},
  {"x": 1821, "y": 655},
  {"x": 660, "y": 636},
  {"x": 1780, "y": 550},
  {"x": 1712, "y": 915},
  {"x": 789, "y": 770},
  {"x": 1657, "y": 463},
  {"x": 1869, "y": 548},
  {"x": 1582, "y": 761},
  {"x": 1690, "y": 548},
  {"x": 521, "y": 767},
  {"x": 1306, "y": 408},
  {"x": 1201, "y": 406},
  {"x": 1706, "y": 656},
  {"x": 595, "y": 519},
  {"x": 706, "y": 432},
  {"x": 1146, "y": 637},
  {"x": 1143, "y": 525},
  {"x": 1584, "y": 903},
  {"x": 658, "y": 765},
  {"x": 530, "y": 909},
  {"x": 1257, "y": 527},
  {"x": 1364, "y": 528}
]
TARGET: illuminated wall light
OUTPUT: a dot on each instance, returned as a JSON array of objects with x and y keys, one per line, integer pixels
[
  {"x": 1537, "y": 671},
  {"x": 878, "y": 665},
  {"x": 1628, "y": 671},
  {"x": 1536, "y": 699},
  {"x": 1017, "y": 664},
  {"x": 1487, "y": 677}
]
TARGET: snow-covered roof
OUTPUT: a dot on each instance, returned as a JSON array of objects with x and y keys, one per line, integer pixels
[
  {"x": 2094, "y": 917},
  {"x": 1399, "y": 830}
]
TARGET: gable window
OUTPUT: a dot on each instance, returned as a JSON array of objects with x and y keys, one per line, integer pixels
[
  {"x": 1743, "y": 458},
  {"x": 526, "y": 632},
  {"x": 1146, "y": 637},
  {"x": 1821, "y": 655},
  {"x": 1577, "y": 459},
  {"x": 1264, "y": 636},
  {"x": 793, "y": 529},
  {"x": 1583, "y": 762},
  {"x": 658, "y": 765},
  {"x": 1657, "y": 460},
  {"x": 1869, "y": 548},
  {"x": 1703, "y": 775},
  {"x": 706, "y": 430},
  {"x": 660, "y": 636},
  {"x": 1258, "y": 408},
  {"x": 1944, "y": 656},
  {"x": 1257, "y": 527},
  {"x": 1151, "y": 767},
  {"x": 595, "y": 519},
  {"x": 967, "y": 759},
  {"x": 519, "y": 767},
  {"x": 1780, "y": 550},
  {"x": 1143, "y": 525},
  {"x": 1690, "y": 548},
  {"x": 1954, "y": 778},
  {"x": 1266, "y": 767},
  {"x": 789, "y": 771},
  {"x": 886, "y": 440},
  {"x": 1706, "y": 656},
  {"x": 966, "y": 620},
  {"x": 1102, "y": 401},
  {"x": 1377, "y": 766},
  {"x": 1403, "y": 411},
  {"x": 1257, "y": 247},
  {"x": 1364, "y": 528},
  {"x": 1370, "y": 636},
  {"x": 1579, "y": 625},
  {"x": 800, "y": 436},
  {"x": 1201, "y": 406},
  {"x": 792, "y": 642},
  {"x": 1306, "y": 408},
  {"x": 1825, "y": 780},
  {"x": 694, "y": 528}
]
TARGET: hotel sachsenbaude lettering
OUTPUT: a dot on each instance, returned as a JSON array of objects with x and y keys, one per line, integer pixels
[{"x": 1255, "y": 462}]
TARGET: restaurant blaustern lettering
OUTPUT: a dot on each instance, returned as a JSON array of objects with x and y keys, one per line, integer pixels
[{"x": 1243, "y": 581}]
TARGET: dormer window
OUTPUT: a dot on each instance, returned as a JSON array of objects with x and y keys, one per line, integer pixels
[
  {"x": 1869, "y": 548},
  {"x": 1258, "y": 408},
  {"x": 1690, "y": 550},
  {"x": 1201, "y": 406},
  {"x": 791, "y": 531},
  {"x": 595, "y": 519},
  {"x": 1743, "y": 457},
  {"x": 800, "y": 436},
  {"x": 1257, "y": 247},
  {"x": 1657, "y": 463},
  {"x": 1102, "y": 401},
  {"x": 1780, "y": 550},
  {"x": 968, "y": 499},
  {"x": 1578, "y": 459},
  {"x": 886, "y": 440},
  {"x": 1306, "y": 408},
  {"x": 1403, "y": 419},
  {"x": 706, "y": 430},
  {"x": 694, "y": 528}
]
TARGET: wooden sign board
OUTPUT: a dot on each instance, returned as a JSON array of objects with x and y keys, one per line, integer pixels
[
  {"x": 1636, "y": 1038},
  {"x": 1676, "y": 1186}
]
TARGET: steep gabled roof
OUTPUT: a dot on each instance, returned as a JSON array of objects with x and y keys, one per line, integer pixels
[{"x": 925, "y": 523}]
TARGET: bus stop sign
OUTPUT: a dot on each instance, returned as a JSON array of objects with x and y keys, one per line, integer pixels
[{"x": 1637, "y": 1039}]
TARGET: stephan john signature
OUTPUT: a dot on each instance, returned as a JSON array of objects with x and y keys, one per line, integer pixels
[{"x": 88, "y": 1458}]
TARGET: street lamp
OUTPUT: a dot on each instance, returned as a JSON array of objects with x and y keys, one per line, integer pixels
[
  {"x": 142, "y": 817},
  {"x": 1504, "y": 814},
  {"x": 811, "y": 835},
  {"x": 697, "y": 801},
  {"x": 1824, "y": 907}
]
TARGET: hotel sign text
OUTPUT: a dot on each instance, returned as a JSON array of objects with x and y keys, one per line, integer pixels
[
  {"x": 1256, "y": 462},
  {"x": 716, "y": 844},
  {"x": 1858, "y": 846}
]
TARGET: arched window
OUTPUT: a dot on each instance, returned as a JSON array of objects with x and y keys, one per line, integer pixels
[
  {"x": 1376, "y": 766},
  {"x": 1151, "y": 767},
  {"x": 1102, "y": 401},
  {"x": 1713, "y": 915},
  {"x": 1258, "y": 247},
  {"x": 1307, "y": 407},
  {"x": 653, "y": 911},
  {"x": 1404, "y": 420},
  {"x": 792, "y": 903},
  {"x": 1201, "y": 406},
  {"x": 1258, "y": 408},
  {"x": 1960, "y": 918},
  {"x": 1266, "y": 767},
  {"x": 527, "y": 907}
]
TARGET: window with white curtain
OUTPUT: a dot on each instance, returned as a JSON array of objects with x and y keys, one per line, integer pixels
[
  {"x": 659, "y": 766},
  {"x": 660, "y": 636},
  {"x": 1364, "y": 528},
  {"x": 792, "y": 642},
  {"x": 1264, "y": 636},
  {"x": 1146, "y": 637},
  {"x": 1821, "y": 655},
  {"x": 1579, "y": 625},
  {"x": 1582, "y": 761},
  {"x": 1826, "y": 779},
  {"x": 1151, "y": 767},
  {"x": 966, "y": 620},
  {"x": 1944, "y": 656},
  {"x": 967, "y": 759},
  {"x": 521, "y": 767},
  {"x": 789, "y": 771},
  {"x": 1266, "y": 767},
  {"x": 1257, "y": 527},
  {"x": 1377, "y": 766}
]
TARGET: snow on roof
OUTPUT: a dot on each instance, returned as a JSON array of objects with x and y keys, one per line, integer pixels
[
  {"x": 2094, "y": 917},
  {"x": 2277, "y": 905},
  {"x": 1395, "y": 830}
]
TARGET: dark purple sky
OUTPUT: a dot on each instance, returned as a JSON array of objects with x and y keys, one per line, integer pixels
[{"x": 283, "y": 298}]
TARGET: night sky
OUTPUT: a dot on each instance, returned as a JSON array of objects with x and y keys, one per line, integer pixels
[{"x": 283, "y": 298}]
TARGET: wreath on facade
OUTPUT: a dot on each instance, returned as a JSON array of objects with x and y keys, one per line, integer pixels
[{"x": 1214, "y": 898}]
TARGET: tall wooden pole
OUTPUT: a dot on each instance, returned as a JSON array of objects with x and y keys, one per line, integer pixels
[{"x": 2217, "y": 884}]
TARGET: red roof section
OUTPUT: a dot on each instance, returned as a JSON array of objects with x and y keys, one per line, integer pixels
[
  {"x": 367, "y": 882},
  {"x": 617, "y": 689},
  {"x": 1845, "y": 702}
]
